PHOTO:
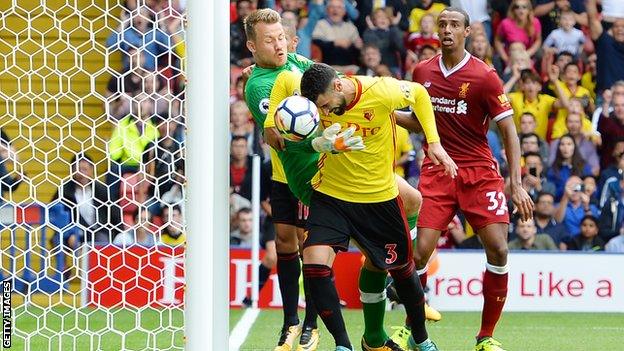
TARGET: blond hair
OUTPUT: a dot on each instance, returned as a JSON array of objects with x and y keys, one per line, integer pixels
[{"x": 268, "y": 16}]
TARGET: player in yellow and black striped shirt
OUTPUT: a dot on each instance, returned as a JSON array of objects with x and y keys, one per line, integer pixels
[{"x": 356, "y": 195}]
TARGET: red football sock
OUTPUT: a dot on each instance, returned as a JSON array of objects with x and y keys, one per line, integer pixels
[{"x": 494, "y": 296}]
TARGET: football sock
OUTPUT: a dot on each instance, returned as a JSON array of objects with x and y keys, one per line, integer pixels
[
  {"x": 310, "y": 310},
  {"x": 323, "y": 290},
  {"x": 494, "y": 296},
  {"x": 288, "y": 271},
  {"x": 422, "y": 276},
  {"x": 373, "y": 296},
  {"x": 411, "y": 293}
]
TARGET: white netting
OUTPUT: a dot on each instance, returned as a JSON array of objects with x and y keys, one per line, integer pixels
[{"x": 92, "y": 173}]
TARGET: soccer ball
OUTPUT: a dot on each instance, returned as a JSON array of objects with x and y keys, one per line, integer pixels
[{"x": 296, "y": 118}]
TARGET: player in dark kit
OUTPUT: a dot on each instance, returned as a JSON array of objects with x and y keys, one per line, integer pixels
[{"x": 466, "y": 94}]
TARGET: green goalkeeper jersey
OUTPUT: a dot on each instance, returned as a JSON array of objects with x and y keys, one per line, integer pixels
[{"x": 290, "y": 166}]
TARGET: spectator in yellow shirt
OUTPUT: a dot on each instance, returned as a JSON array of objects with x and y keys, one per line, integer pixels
[
  {"x": 173, "y": 233},
  {"x": 571, "y": 89},
  {"x": 529, "y": 99},
  {"x": 428, "y": 6}
]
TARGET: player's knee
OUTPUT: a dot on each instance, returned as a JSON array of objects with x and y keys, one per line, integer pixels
[
  {"x": 319, "y": 255},
  {"x": 421, "y": 257},
  {"x": 371, "y": 267},
  {"x": 412, "y": 200},
  {"x": 497, "y": 255},
  {"x": 286, "y": 240}
]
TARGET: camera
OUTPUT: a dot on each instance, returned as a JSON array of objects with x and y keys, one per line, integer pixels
[
  {"x": 533, "y": 171},
  {"x": 579, "y": 187}
]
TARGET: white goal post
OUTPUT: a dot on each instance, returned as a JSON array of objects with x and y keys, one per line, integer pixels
[{"x": 207, "y": 307}]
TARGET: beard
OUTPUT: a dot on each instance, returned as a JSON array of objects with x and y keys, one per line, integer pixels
[{"x": 342, "y": 108}]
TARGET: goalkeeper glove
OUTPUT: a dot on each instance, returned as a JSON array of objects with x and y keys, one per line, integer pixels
[{"x": 333, "y": 141}]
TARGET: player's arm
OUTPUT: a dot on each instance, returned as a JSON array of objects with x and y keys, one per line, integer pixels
[
  {"x": 402, "y": 93},
  {"x": 553, "y": 76},
  {"x": 519, "y": 196},
  {"x": 498, "y": 107},
  {"x": 286, "y": 84},
  {"x": 407, "y": 120},
  {"x": 595, "y": 27}
]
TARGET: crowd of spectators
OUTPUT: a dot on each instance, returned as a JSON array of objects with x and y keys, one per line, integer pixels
[
  {"x": 140, "y": 200},
  {"x": 561, "y": 63}
]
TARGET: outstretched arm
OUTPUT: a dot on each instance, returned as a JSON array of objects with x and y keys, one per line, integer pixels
[{"x": 595, "y": 27}]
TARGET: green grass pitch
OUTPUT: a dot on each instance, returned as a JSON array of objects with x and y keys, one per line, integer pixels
[
  {"x": 64, "y": 328},
  {"x": 150, "y": 329},
  {"x": 517, "y": 331}
]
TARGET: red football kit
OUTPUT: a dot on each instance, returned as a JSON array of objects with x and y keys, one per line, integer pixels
[{"x": 465, "y": 99}]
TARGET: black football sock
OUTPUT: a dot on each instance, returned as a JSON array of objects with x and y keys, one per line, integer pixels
[
  {"x": 288, "y": 272},
  {"x": 411, "y": 293},
  {"x": 323, "y": 291},
  {"x": 310, "y": 310},
  {"x": 263, "y": 275}
]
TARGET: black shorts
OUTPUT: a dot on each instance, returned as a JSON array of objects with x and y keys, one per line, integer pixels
[
  {"x": 380, "y": 229},
  {"x": 285, "y": 207}
]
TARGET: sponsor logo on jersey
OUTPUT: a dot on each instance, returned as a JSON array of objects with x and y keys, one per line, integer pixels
[
  {"x": 462, "y": 107},
  {"x": 405, "y": 88},
  {"x": 369, "y": 115},
  {"x": 445, "y": 105},
  {"x": 504, "y": 101},
  {"x": 263, "y": 106},
  {"x": 427, "y": 84},
  {"x": 463, "y": 90},
  {"x": 359, "y": 129}
]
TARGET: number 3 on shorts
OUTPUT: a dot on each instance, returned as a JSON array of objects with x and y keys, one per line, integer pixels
[
  {"x": 498, "y": 202},
  {"x": 391, "y": 253}
]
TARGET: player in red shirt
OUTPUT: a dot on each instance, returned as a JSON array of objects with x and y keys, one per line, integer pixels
[{"x": 466, "y": 93}]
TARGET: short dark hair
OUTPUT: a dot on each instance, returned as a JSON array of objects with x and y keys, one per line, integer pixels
[
  {"x": 79, "y": 157},
  {"x": 591, "y": 218},
  {"x": 529, "y": 74},
  {"x": 565, "y": 53},
  {"x": 237, "y": 138},
  {"x": 316, "y": 80},
  {"x": 529, "y": 114},
  {"x": 533, "y": 153},
  {"x": 462, "y": 11},
  {"x": 571, "y": 64},
  {"x": 541, "y": 194},
  {"x": 243, "y": 210},
  {"x": 529, "y": 135}
]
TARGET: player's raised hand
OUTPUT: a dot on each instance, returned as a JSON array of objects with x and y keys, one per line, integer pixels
[
  {"x": 273, "y": 137},
  {"x": 438, "y": 156},
  {"x": 333, "y": 140},
  {"x": 522, "y": 202}
]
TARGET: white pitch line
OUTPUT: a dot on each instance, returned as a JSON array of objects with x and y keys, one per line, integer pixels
[{"x": 242, "y": 328}]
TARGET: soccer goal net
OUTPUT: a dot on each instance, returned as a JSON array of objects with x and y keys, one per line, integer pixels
[{"x": 92, "y": 177}]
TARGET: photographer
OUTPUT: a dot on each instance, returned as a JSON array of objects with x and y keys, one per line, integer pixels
[
  {"x": 534, "y": 178},
  {"x": 575, "y": 204}
]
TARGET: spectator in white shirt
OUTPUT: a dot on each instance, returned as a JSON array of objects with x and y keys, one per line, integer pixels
[{"x": 566, "y": 37}]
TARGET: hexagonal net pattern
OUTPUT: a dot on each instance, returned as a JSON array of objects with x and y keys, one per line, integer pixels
[{"x": 92, "y": 182}]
